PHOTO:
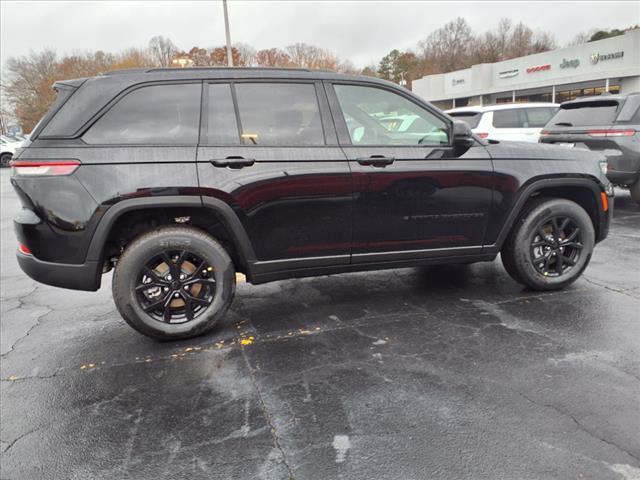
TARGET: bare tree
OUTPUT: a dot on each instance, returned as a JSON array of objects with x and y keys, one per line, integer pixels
[
  {"x": 247, "y": 54},
  {"x": 162, "y": 50},
  {"x": 449, "y": 47},
  {"x": 309, "y": 56},
  {"x": 273, "y": 57}
]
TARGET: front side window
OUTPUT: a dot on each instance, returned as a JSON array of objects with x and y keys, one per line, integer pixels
[
  {"x": 157, "y": 114},
  {"x": 379, "y": 117},
  {"x": 279, "y": 114}
]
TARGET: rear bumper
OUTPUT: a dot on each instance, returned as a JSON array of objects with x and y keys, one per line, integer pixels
[
  {"x": 618, "y": 177},
  {"x": 84, "y": 276}
]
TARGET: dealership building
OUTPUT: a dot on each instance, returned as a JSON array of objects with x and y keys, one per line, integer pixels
[{"x": 609, "y": 65}]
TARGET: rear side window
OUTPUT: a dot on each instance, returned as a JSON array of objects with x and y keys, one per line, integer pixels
[
  {"x": 471, "y": 118},
  {"x": 585, "y": 114},
  {"x": 539, "y": 117},
  {"x": 222, "y": 126},
  {"x": 275, "y": 114},
  {"x": 157, "y": 114},
  {"x": 512, "y": 118}
]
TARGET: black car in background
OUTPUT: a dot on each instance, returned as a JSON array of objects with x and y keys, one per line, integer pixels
[
  {"x": 608, "y": 124},
  {"x": 179, "y": 178}
]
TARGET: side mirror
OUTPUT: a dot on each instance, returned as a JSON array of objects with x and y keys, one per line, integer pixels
[{"x": 462, "y": 135}]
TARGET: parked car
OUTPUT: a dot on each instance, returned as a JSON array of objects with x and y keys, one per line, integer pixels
[
  {"x": 521, "y": 122},
  {"x": 8, "y": 145},
  {"x": 608, "y": 124},
  {"x": 281, "y": 173}
]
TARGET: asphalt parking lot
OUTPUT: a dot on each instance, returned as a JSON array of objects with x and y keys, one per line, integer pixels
[{"x": 429, "y": 373}]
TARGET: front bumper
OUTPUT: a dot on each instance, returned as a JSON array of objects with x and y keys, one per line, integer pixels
[{"x": 83, "y": 276}]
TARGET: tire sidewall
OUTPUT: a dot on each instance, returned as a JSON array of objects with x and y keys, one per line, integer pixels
[
  {"x": 538, "y": 216},
  {"x": 141, "y": 251}
]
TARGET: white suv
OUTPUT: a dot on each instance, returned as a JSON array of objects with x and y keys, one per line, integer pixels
[{"x": 521, "y": 122}]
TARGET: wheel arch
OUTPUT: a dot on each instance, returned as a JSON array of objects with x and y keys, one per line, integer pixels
[
  {"x": 218, "y": 209},
  {"x": 586, "y": 192}
]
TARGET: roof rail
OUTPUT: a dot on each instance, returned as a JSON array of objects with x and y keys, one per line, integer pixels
[{"x": 178, "y": 69}]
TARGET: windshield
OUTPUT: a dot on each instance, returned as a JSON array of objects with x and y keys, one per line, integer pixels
[
  {"x": 584, "y": 114},
  {"x": 471, "y": 118}
]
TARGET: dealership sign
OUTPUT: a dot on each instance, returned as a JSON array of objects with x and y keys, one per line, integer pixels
[
  {"x": 508, "y": 73},
  {"x": 597, "y": 57},
  {"x": 539, "y": 68},
  {"x": 457, "y": 82},
  {"x": 574, "y": 63}
]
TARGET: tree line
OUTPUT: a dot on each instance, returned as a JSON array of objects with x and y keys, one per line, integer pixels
[{"x": 27, "y": 79}]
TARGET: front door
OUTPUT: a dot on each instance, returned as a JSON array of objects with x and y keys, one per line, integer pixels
[
  {"x": 412, "y": 196},
  {"x": 270, "y": 150}
]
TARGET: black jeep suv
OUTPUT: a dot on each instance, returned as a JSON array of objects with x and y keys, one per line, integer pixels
[{"x": 178, "y": 178}]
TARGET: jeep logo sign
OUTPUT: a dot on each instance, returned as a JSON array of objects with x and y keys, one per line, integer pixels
[{"x": 574, "y": 63}]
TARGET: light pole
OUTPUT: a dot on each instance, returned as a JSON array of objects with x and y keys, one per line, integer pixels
[{"x": 226, "y": 29}]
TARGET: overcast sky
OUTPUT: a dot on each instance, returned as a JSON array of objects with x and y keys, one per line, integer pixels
[{"x": 361, "y": 31}]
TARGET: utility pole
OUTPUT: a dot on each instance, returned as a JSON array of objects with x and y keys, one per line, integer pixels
[{"x": 226, "y": 29}]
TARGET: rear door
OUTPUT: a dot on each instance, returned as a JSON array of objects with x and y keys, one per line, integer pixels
[
  {"x": 269, "y": 149},
  {"x": 413, "y": 196}
]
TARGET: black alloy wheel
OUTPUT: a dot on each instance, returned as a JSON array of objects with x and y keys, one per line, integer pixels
[
  {"x": 175, "y": 286},
  {"x": 556, "y": 246}
]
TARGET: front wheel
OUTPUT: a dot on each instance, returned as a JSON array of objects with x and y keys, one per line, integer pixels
[
  {"x": 173, "y": 283},
  {"x": 550, "y": 245}
]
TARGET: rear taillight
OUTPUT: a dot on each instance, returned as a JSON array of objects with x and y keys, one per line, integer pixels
[
  {"x": 39, "y": 167},
  {"x": 544, "y": 133},
  {"x": 611, "y": 133},
  {"x": 482, "y": 135},
  {"x": 24, "y": 249}
]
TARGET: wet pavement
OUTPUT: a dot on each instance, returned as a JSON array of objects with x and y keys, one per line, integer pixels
[{"x": 427, "y": 373}]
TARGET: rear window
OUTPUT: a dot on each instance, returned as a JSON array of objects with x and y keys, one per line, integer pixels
[
  {"x": 279, "y": 114},
  {"x": 471, "y": 118},
  {"x": 512, "y": 118},
  {"x": 158, "y": 114},
  {"x": 585, "y": 114},
  {"x": 539, "y": 117}
]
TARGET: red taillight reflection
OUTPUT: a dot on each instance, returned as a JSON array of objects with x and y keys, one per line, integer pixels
[
  {"x": 52, "y": 167},
  {"x": 611, "y": 133},
  {"x": 23, "y": 249},
  {"x": 482, "y": 135},
  {"x": 544, "y": 133}
]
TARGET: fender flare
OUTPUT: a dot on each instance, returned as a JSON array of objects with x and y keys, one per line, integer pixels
[
  {"x": 537, "y": 185},
  {"x": 221, "y": 209}
]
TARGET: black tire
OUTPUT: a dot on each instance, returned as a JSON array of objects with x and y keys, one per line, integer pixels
[
  {"x": 635, "y": 191},
  {"x": 5, "y": 158},
  {"x": 214, "y": 278},
  {"x": 545, "y": 253}
]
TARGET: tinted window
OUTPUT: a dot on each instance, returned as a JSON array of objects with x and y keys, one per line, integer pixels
[
  {"x": 585, "y": 114},
  {"x": 511, "y": 118},
  {"x": 378, "y": 117},
  {"x": 279, "y": 114},
  {"x": 472, "y": 118},
  {"x": 158, "y": 114},
  {"x": 222, "y": 126},
  {"x": 539, "y": 117}
]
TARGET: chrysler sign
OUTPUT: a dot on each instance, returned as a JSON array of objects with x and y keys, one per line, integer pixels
[{"x": 508, "y": 73}]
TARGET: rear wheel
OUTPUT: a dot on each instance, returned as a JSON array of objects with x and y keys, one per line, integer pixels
[
  {"x": 5, "y": 158},
  {"x": 173, "y": 283},
  {"x": 550, "y": 244},
  {"x": 635, "y": 191}
]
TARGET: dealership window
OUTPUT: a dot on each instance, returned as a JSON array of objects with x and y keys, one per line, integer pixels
[{"x": 157, "y": 114}]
